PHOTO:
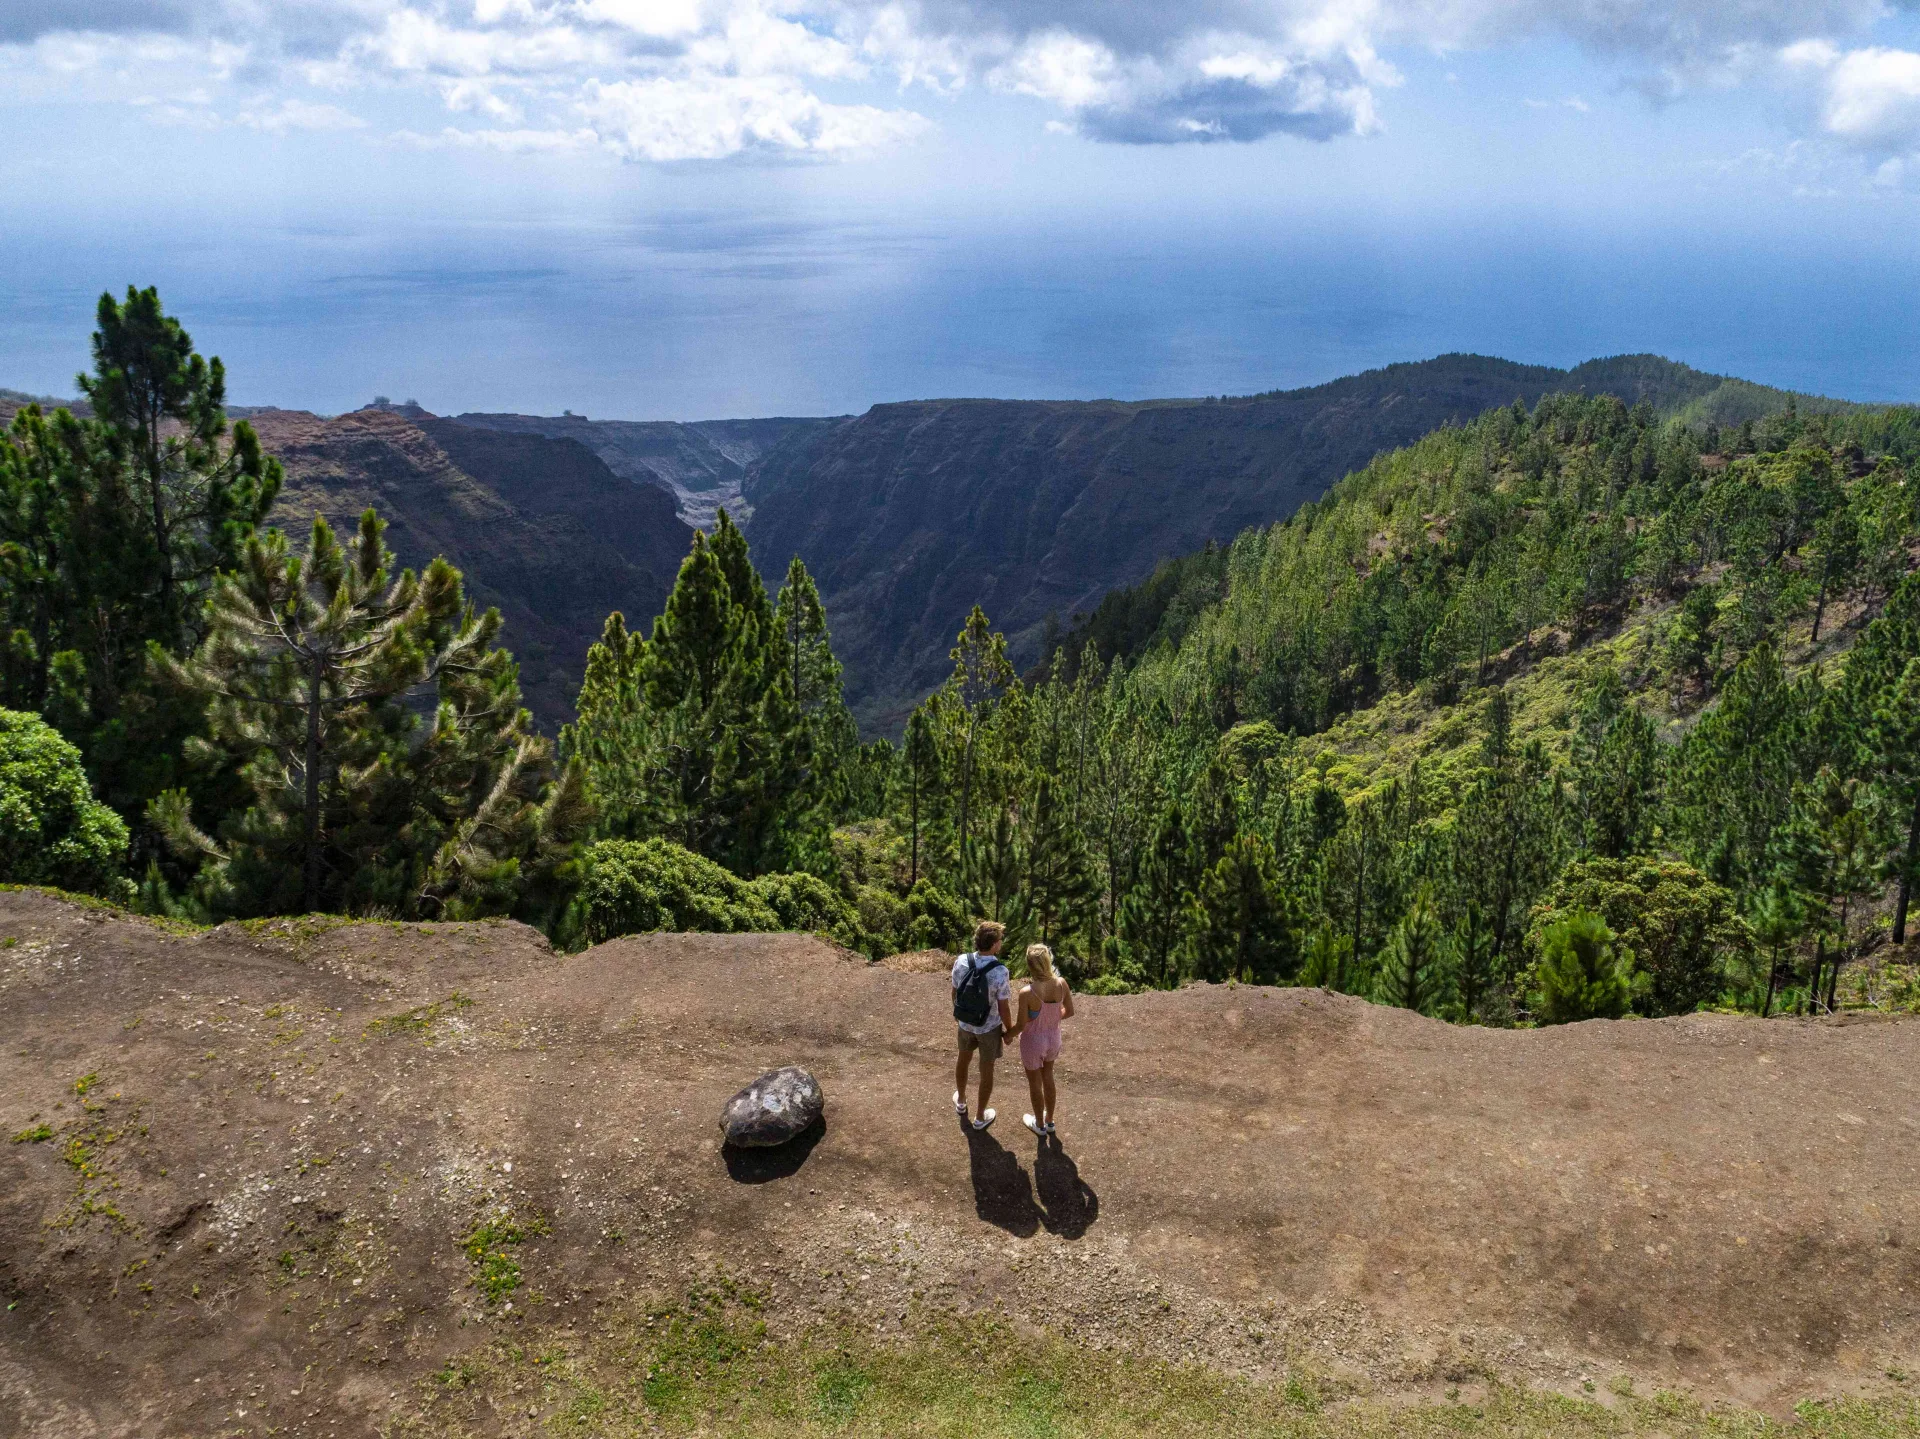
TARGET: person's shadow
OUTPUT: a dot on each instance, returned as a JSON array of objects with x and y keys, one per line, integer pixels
[
  {"x": 758, "y": 1166},
  {"x": 1002, "y": 1194},
  {"x": 1068, "y": 1205}
]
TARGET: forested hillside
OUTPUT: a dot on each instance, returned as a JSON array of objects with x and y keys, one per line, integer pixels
[
  {"x": 1566, "y": 711},
  {"x": 911, "y": 514}
]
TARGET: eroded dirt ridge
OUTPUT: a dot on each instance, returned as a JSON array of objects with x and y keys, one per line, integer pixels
[{"x": 275, "y": 1176}]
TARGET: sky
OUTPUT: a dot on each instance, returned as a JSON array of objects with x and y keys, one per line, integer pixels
[{"x": 686, "y": 209}]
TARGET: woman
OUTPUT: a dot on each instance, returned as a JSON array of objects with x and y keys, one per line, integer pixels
[{"x": 1044, "y": 1000}]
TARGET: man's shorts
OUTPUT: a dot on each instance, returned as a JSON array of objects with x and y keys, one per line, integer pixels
[{"x": 988, "y": 1044}]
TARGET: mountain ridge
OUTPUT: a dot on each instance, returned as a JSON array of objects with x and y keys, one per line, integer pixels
[{"x": 912, "y": 512}]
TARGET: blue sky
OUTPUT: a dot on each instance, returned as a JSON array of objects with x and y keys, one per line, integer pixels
[{"x": 694, "y": 208}]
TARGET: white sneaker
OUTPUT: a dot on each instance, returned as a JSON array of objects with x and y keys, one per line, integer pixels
[
  {"x": 987, "y": 1116},
  {"x": 1035, "y": 1125},
  {"x": 959, "y": 1105}
]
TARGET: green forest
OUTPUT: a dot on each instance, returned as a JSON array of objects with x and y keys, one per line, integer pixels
[{"x": 1582, "y": 711}]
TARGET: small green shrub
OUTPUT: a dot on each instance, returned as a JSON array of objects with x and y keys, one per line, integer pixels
[
  {"x": 805, "y": 902},
  {"x": 490, "y": 1248},
  {"x": 52, "y": 830},
  {"x": 1583, "y": 972},
  {"x": 640, "y": 886}
]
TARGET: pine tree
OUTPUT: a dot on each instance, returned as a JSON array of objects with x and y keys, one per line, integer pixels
[
  {"x": 309, "y": 664},
  {"x": 826, "y": 749},
  {"x": 921, "y": 758},
  {"x": 1056, "y": 886},
  {"x": 982, "y": 675},
  {"x": 1614, "y": 770},
  {"x": 1154, "y": 913},
  {"x": 111, "y": 531},
  {"x": 1584, "y": 973},
  {"x": 1416, "y": 964},
  {"x": 695, "y": 734},
  {"x": 1896, "y": 744},
  {"x": 1240, "y": 925},
  {"x": 1775, "y": 917},
  {"x": 165, "y": 406}
]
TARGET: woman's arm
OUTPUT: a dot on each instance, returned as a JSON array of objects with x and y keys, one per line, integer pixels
[
  {"x": 1020, "y": 998},
  {"x": 1066, "y": 1004}
]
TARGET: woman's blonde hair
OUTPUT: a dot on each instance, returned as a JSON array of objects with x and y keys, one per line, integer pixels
[{"x": 1039, "y": 961}]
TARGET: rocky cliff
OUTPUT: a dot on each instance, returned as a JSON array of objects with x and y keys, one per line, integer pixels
[
  {"x": 540, "y": 527},
  {"x": 702, "y": 463}
]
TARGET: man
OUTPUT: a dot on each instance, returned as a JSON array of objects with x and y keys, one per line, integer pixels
[{"x": 983, "y": 1008}]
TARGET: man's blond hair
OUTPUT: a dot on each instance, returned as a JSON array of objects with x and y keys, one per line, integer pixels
[{"x": 987, "y": 934}]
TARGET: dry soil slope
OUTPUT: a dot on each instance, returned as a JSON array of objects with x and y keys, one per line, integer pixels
[
  {"x": 1244, "y": 1174},
  {"x": 540, "y": 527}
]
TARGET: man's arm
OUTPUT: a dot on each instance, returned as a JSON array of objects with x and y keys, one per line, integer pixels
[{"x": 1006, "y": 1017}]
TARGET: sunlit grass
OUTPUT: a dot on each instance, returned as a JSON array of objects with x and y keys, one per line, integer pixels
[{"x": 709, "y": 1365}]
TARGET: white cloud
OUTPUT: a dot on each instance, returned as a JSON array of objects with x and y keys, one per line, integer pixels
[
  {"x": 293, "y": 114},
  {"x": 1061, "y": 67},
  {"x": 1870, "y": 98},
  {"x": 711, "y": 118},
  {"x": 679, "y": 79}
]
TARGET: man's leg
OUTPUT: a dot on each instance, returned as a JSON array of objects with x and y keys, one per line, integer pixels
[
  {"x": 986, "y": 1084},
  {"x": 960, "y": 1072}
]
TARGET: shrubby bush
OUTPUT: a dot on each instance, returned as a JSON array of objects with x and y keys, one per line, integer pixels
[
  {"x": 1680, "y": 926},
  {"x": 643, "y": 886},
  {"x": 52, "y": 830}
]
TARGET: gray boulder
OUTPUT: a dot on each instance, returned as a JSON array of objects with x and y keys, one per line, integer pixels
[{"x": 776, "y": 1107}]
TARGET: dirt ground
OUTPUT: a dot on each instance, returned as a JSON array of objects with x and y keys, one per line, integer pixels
[{"x": 248, "y": 1164}]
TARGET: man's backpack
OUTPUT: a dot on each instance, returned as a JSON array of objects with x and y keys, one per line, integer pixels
[{"x": 971, "y": 1004}]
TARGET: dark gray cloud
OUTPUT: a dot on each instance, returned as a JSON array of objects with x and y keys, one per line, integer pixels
[
  {"x": 23, "y": 21},
  {"x": 1216, "y": 110}
]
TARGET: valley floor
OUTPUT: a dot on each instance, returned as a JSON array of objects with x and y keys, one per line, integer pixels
[{"x": 317, "y": 1178}]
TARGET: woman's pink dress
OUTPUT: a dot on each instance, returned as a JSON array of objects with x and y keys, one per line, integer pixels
[{"x": 1040, "y": 1040}]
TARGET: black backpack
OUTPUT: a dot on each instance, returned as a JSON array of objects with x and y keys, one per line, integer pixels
[{"x": 970, "y": 1002}]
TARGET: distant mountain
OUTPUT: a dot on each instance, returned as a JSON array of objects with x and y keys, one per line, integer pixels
[
  {"x": 540, "y": 527},
  {"x": 14, "y": 401},
  {"x": 910, "y": 513},
  {"x": 703, "y": 463}
]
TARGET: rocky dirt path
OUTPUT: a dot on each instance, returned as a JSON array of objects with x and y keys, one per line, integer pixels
[{"x": 266, "y": 1152}]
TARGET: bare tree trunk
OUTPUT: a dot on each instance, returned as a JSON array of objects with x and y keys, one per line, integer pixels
[
  {"x": 1906, "y": 873},
  {"x": 313, "y": 785},
  {"x": 913, "y": 868}
]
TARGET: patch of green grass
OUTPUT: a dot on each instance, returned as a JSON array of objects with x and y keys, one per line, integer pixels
[
  {"x": 419, "y": 1021},
  {"x": 34, "y": 1134},
  {"x": 838, "y": 1391},
  {"x": 707, "y": 1365},
  {"x": 490, "y": 1248}
]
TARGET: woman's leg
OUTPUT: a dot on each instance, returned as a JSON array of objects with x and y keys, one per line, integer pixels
[
  {"x": 1035, "y": 1092},
  {"x": 1045, "y": 1078}
]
